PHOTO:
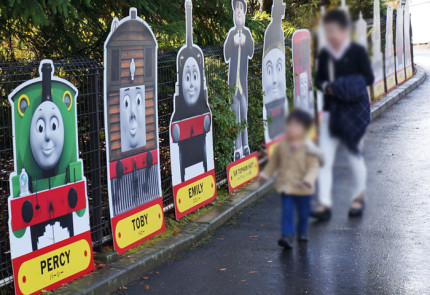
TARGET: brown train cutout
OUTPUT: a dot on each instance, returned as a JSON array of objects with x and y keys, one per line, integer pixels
[
  {"x": 130, "y": 103},
  {"x": 127, "y": 43}
]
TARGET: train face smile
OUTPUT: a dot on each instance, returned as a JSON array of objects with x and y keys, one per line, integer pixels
[
  {"x": 49, "y": 149},
  {"x": 191, "y": 93}
]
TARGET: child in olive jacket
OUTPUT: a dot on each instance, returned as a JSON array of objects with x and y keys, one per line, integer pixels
[{"x": 295, "y": 161}]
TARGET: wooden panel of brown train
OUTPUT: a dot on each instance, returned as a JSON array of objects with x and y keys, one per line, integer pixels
[{"x": 131, "y": 41}]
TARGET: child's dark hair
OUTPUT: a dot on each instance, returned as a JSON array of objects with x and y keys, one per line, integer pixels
[
  {"x": 338, "y": 16},
  {"x": 301, "y": 117}
]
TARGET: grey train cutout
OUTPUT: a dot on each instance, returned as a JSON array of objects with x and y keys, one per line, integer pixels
[
  {"x": 188, "y": 129},
  {"x": 273, "y": 73}
]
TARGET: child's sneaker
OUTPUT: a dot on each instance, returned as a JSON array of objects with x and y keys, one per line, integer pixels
[
  {"x": 303, "y": 237},
  {"x": 286, "y": 241}
]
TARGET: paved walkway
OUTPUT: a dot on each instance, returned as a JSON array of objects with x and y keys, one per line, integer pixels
[{"x": 385, "y": 252}]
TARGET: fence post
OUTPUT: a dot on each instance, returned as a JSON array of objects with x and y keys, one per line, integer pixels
[{"x": 95, "y": 165}]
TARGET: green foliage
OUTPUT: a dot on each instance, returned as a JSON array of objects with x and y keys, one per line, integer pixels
[
  {"x": 225, "y": 127},
  {"x": 45, "y": 28},
  {"x": 256, "y": 123}
]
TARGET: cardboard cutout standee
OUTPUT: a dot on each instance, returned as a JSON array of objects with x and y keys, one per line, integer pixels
[
  {"x": 344, "y": 6},
  {"x": 377, "y": 58},
  {"x": 361, "y": 31},
  {"x": 191, "y": 136},
  {"x": 238, "y": 50},
  {"x": 390, "y": 69},
  {"x": 321, "y": 43},
  {"x": 400, "y": 57},
  {"x": 303, "y": 87},
  {"x": 407, "y": 32},
  {"x": 275, "y": 104},
  {"x": 131, "y": 120},
  {"x": 49, "y": 228}
]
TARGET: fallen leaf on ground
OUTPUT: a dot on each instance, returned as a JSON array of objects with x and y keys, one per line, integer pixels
[
  {"x": 145, "y": 278},
  {"x": 99, "y": 264},
  {"x": 152, "y": 243},
  {"x": 243, "y": 281},
  {"x": 157, "y": 272},
  {"x": 253, "y": 237},
  {"x": 253, "y": 271},
  {"x": 270, "y": 261},
  {"x": 131, "y": 261},
  {"x": 222, "y": 269},
  {"x": 221, "y": 239},
  {"x": 147, "y": 287},
  {"x": 175, "y": 233}
]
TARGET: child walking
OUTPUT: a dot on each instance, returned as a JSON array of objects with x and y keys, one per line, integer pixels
[{"x": 295, "y": 161}]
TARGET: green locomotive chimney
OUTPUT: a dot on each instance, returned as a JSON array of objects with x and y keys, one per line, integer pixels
[{"x": 46, "y": 82}]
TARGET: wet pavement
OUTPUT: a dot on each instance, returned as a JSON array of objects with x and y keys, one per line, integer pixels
[{"x": 385, "y": 252}]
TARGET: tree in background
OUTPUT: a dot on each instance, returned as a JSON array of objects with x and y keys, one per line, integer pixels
[
  {"x": 43, "y": 28},
  {"x": 39, "y": 28}
]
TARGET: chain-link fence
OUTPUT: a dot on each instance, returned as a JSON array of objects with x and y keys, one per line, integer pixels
[{"x": 86, "y": 74}]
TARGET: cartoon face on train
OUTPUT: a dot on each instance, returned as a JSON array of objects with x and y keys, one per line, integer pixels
[
  {"x": 191, "y": 118},
  {"x": 304, "y": 87},
  {"x": 47, "y": 135},
  {"x": 273, "y": 74},
  {"x": 132, "y": 117},
  {"x": 191, "y": 81},
  {"x": 274, "y": 81},
  {"x": 41, "y": 118},
  {"x": 46, "y": 158},
  {"x": 191, "y": 107}
]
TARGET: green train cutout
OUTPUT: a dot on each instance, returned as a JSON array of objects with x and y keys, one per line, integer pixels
[{"x": 48, "y": 201}]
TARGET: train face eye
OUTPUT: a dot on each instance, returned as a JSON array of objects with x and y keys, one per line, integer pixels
[
  {"x": 67, "y": 99},
  {"x": 188, "y": 77},
  {"x": 126, "y": 101},
  {"x": 195, "y": 76},
  {"x": 54, "y": 123},
  {"x": 138, "y": 99},
  {"x": 279, "y": 67},
  {"x": 23, "y": 103},
  {"x": 40, "y": 125}
]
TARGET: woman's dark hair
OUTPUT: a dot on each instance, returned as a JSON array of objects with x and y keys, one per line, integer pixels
[
  {"x": 338, "y": 16},
  {"x": 301, "y": 117}
]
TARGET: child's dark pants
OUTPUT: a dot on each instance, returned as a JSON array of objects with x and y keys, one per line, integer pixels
[{"x": 303, "y": 208}]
